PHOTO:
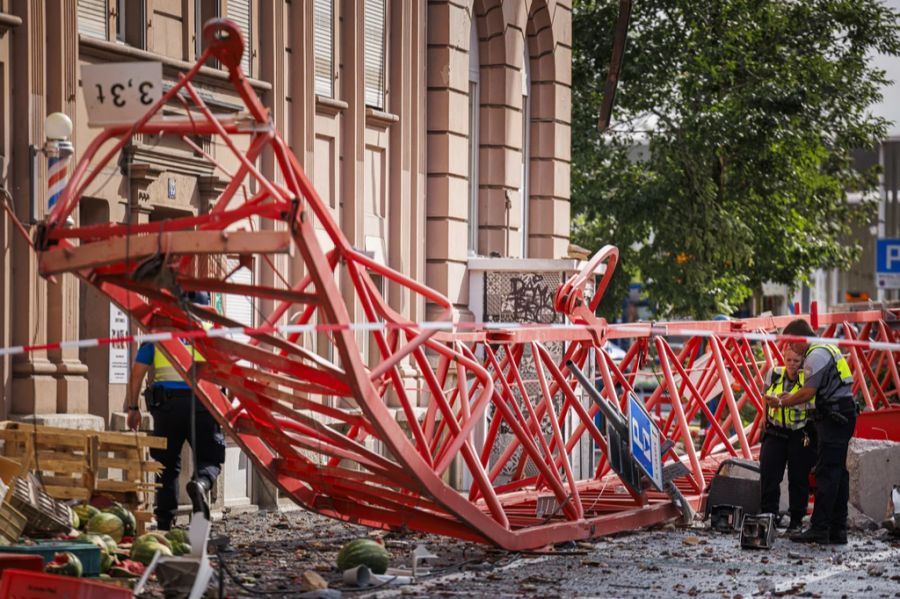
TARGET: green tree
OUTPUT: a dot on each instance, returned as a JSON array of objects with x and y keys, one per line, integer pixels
[{"x": 729, "y": 160}]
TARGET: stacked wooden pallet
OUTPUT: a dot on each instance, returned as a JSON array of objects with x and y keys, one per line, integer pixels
[{"x": 82, "y": 464}]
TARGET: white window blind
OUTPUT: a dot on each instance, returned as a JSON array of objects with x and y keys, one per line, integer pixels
[
  {"x": 240, "y": 12},
  {"x": 323, "y": 41},
  {"x": 374, "y": 52},
  {"x": 93, "y": 18},
  {"x": 239, "y": 307}
]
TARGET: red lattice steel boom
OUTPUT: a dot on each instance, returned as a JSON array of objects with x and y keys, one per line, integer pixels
[{"x": 500, "y": 406}]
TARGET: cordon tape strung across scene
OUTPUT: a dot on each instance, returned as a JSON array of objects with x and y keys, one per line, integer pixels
[{"x": 551, "y": 438}]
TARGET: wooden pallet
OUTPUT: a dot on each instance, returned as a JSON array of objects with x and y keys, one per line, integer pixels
[{"x": 81, "y": 464}]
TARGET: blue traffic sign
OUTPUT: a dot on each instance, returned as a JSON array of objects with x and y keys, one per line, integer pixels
[
  {"x": 887, "y": 256},
  {"x": 643, "y": 441}
]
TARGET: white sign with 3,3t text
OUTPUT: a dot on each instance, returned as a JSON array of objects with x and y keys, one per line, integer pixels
[{"x": 119, "y": 93}]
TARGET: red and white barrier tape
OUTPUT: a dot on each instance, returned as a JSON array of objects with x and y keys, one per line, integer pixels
[{"x": 635, "y": 330}]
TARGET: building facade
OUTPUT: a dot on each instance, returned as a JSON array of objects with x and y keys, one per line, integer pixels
[{"x": 438, "y": 132}]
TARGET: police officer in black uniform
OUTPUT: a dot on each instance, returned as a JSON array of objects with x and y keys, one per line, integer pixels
[
  {"x": 828, "y": 379},
  {"x": 170, "y": 399},
  {"x": 788, "y": 440}
]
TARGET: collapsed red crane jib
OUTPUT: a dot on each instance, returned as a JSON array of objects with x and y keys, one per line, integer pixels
[{"x": 386, "y": 442}]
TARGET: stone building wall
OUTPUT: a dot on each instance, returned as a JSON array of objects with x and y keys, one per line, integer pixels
[{"x": 396, "y": 164}]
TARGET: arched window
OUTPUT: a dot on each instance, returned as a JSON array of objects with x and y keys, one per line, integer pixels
[
  {"x": 526, "y": 147},
  {"x": 474, "y": 107}
]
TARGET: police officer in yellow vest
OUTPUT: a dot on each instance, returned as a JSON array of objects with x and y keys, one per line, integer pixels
[
  {"x": 828, "y": 379},
  {"x": 169, "y": 399},
  {"x": 788, "y": 440}
]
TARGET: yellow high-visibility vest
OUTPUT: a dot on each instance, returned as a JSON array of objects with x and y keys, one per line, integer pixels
[
  {"x": 790, "y": 417},
  {"x": 843, "y": 368},
  {"x": 163, "y": 371}
]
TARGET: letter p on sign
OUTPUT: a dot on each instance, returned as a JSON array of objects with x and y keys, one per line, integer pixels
[{"x": 893, "y": 255}]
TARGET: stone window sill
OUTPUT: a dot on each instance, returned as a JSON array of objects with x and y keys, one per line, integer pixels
[
  {"x": 112, "y": 50},
  {"x": 380, "y": 119},
  {"x": 330, "y": 106}
]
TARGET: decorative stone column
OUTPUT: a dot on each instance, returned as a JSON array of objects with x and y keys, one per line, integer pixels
[{"x": 33, "y": 387}]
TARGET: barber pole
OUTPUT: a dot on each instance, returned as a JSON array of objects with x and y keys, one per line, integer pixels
[
  {"x": 59, "y": 153},
  {"x": 58, "y": 171}
]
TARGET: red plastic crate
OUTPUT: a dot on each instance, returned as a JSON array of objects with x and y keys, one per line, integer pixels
[
  {"x": 21, "y": 561},
  {"x": 22, "y": 584}
]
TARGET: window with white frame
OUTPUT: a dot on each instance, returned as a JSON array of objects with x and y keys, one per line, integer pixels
[
  {"x": 131, "y": 22},
  {"x": 323, "y": 47},
  {"x": 204, "y": 11},
  {"x": 374, "y": 51},
  {"x": 526, "y": 148},
  {"x": 474, "y": 107}
]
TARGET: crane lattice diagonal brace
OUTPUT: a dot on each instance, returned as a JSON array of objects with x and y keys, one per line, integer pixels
[{"x": 498, "y": 403}]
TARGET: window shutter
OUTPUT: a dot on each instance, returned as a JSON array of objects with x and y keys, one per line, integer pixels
[
  {"x": 374, "y": 53},
  {"x": 239, "y": 11},
  {"x": 239, "y": 307},
  {"x": 323, "y": 41},
  {"x": 93, "y": 18}
]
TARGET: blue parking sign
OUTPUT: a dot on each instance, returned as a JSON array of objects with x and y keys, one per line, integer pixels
[
  {"x": 887, "y": 256},
  {"x": 887, "y": 263},
  {"x": 643, "y": 441}
]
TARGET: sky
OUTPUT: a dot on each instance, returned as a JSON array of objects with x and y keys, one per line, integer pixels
[{"x": 889, "y": 107}]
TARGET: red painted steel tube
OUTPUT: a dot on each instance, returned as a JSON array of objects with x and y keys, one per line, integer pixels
[{"x": 350, "y": 439}]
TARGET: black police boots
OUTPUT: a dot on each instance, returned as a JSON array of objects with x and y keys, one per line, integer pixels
[
  {"x": 837, "y": 536},
  {"x": 811, "y": 535},
  {"x": 197, "y": 488}
]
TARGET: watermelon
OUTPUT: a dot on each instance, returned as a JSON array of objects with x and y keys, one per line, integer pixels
[
  {"x": 94, "y": 539},
  {"x": 179, "y": 548},
  {"x": 364, "y": 552},
  {"x": 178, "y": 534},
  {"x": 127, "y": 569},
  {"x": 144, "y": 552},
  {"x": 106, "y": 523},
  {"x": 111, "y": 546},
  {"x": 85, "y": 512},
  {"x": 155, "y": 535},
  {"x": 107, "y": 548},
  {"x": 65, "y": 564},
  {"x": 127, "y": 518},
  {"x": 74, "y": 520}
]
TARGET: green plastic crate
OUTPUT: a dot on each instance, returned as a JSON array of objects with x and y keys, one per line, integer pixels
[{"x": 88, "y": 553}]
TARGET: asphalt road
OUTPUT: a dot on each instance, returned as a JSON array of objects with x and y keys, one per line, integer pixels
[
  {"x": 685, "y": 562},
  {"x": 273, "y": 552}
]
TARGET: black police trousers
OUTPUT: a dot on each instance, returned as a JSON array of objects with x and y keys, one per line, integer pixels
[
  {"x": 784, "y": 447},
  {"x": 172, "y": 420},
  {"x": 832, "y": 476}
]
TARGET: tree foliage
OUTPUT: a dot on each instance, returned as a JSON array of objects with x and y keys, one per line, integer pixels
[{"x": 729, "y": 160}]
